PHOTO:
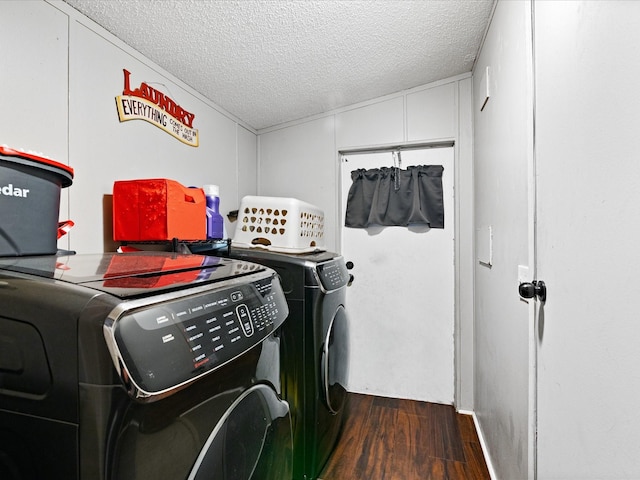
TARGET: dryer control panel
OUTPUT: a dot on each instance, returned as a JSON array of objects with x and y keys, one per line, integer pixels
[
  {"x": 333, "y": 274},
  {"x": 162, "y": 346}
]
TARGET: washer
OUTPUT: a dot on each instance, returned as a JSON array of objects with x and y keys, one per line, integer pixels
[
  {"x": 315, "y": 349},
  {"x": 141, "y": 366}
]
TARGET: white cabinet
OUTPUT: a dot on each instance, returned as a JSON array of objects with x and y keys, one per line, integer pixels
[
  {"x": 432, "y": 113},
  {"x": 376, "y": 124}
]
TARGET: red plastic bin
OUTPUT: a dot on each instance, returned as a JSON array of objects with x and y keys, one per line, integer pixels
[{"x": 157, "y": 210}]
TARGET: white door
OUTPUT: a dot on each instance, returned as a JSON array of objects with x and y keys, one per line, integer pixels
[
  {"x": 401, "y": 304},
  {"x": 588, "y": 226}
]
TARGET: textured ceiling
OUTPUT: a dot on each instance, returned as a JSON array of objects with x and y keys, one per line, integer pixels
[{"x": 272, "y": 61}]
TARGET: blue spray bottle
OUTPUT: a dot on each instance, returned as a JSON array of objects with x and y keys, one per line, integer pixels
[{"x": 215, "y": 222}]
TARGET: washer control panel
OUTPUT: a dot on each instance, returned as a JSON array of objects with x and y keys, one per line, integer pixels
[
  {"x": 333, "y": 274},
  {"x": 162, "y": 346}
]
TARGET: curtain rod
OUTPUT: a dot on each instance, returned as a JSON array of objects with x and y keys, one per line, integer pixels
[{"x": 396, "y": 148}]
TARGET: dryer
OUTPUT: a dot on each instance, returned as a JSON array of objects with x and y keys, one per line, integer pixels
[
  {"x": 143, "y": 365},
  {"x": 315, "y": 350}
]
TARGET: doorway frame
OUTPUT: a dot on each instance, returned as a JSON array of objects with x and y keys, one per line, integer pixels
[{"x": 463, "y": 252}]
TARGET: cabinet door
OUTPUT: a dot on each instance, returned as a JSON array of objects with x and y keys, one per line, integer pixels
[{"x": 431, "y": 113}]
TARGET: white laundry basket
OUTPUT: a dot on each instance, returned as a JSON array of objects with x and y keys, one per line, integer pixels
[{"x": 279, "y": 224}]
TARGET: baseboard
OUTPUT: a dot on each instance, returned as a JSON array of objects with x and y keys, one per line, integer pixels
[{"x": 483, "y": 445}]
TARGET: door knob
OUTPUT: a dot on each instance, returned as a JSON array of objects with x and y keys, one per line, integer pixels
[
  {"x": 349, "y": 265},
  {"x": 535, "y": 288}
]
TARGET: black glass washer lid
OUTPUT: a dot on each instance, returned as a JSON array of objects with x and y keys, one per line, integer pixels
[{"x": 133, "y": 273}]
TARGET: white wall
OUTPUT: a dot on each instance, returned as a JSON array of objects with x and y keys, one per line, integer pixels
[
  {"x": 34, "y": 83},
  {"x": 34, "y": 80},
  {"x": 502, "y": 149},
  {"x": 66, "y": 98},
  {"x": 287, "y": 169},
  {"x": 301, "y": 160},
  {"x": 247, "y": 163}
]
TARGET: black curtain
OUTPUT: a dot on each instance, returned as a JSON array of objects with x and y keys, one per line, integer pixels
[{"x": 392, "y": 196}]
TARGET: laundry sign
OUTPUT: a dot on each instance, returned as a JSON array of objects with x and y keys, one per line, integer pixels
[{"x": 153, "y": 106}]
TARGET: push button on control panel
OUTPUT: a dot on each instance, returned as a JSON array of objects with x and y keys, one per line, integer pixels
[
  {"x": 236, "y": 296},
  {"x": 245, "y": 319}
]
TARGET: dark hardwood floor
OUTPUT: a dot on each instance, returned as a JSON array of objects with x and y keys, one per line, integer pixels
[{"x": 393, "y": 439}]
